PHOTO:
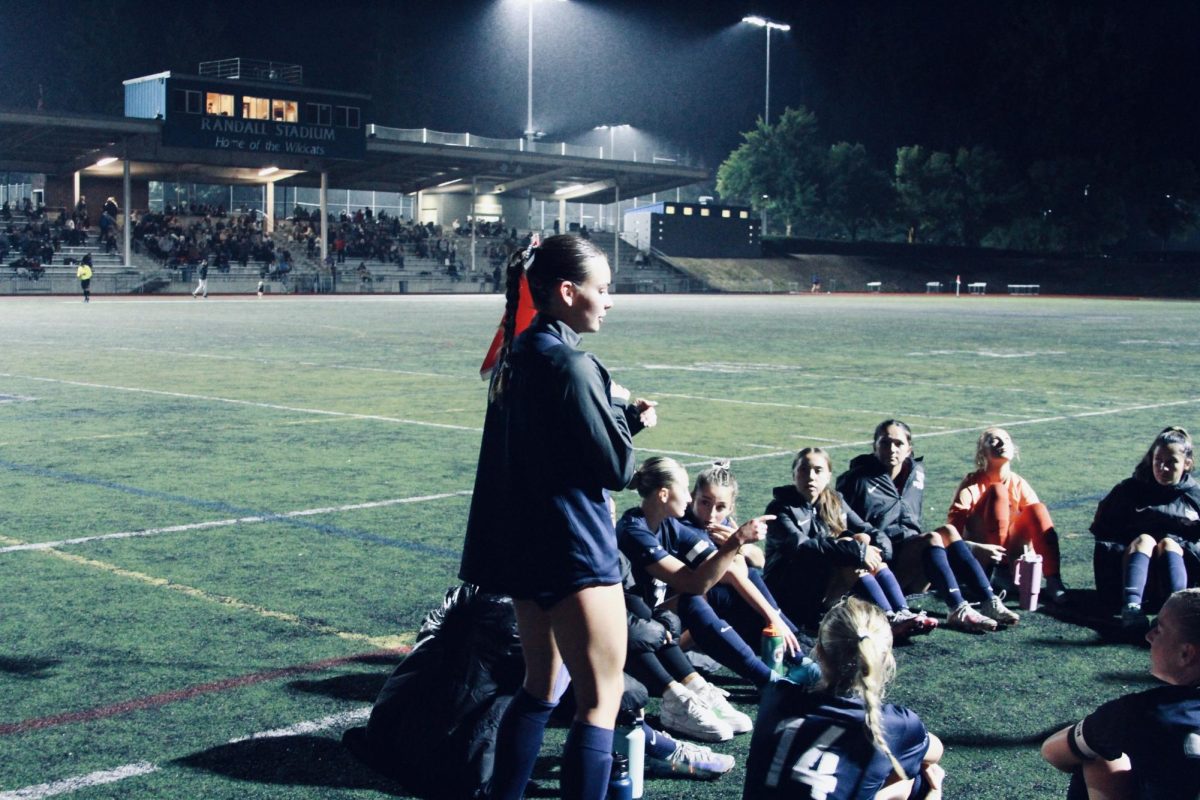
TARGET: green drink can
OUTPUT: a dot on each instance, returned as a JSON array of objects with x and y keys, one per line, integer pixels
[{"x": 772, "y": 650}]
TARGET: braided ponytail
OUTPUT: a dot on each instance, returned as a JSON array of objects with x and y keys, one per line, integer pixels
[
  {"x": 514, "y": 273},
  {"x": 854, "y": 648},
  {"x": 541, "y": 267}
]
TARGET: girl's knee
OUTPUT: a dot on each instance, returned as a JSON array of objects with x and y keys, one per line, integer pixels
[
  {"x": 1168, "y": 546},
  {"x": 1143, "y": 544}
]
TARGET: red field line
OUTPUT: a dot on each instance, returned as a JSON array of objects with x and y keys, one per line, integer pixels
[{"x": 163, "y": 698}]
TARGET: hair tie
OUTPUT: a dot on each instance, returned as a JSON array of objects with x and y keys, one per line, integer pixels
[
  {"x": 535, "y": 242},
  {"x": 721, "y": 463},
  {"x": 862, "y": 636}
]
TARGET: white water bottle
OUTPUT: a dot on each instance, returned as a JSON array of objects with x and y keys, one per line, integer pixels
[{"x": 630, "y": 741}]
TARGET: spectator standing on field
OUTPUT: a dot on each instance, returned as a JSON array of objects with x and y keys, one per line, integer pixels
[
  {"x": 202, "y": 281},
  {"x": 84, "y": 273}
]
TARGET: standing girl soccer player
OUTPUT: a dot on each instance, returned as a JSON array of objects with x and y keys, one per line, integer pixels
[
  {"x": 556, "y": 437},
  {"x": 1144, "y": 745},
  {"x": 818, "y": 549},
  {"x": 1148, "y": 526},
  {"x": 998, "y": 510},
  {"x": 839, "y": 740}
]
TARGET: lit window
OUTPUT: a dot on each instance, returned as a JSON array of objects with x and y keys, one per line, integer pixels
[
  {"x": 256, "y": 108},
  {"x": 725, "y": 213},
  {"x": 687, "y": 211},
  {"x": 285, "y": 111},
  {"x": 669, "y": 209},
  {"x": 219, "y": 104},
  {"x": 743, "y": 215},
  {"x": 704, "y": 212}
]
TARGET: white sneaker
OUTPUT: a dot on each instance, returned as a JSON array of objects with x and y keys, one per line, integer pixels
[
  {"x": 965, "y": 618},
  {"x": 996, "y": 609},
  {"x": 691, "y": 760},
  {"x": 715, "y": 698},
  {"x": 684, "y": 713}
]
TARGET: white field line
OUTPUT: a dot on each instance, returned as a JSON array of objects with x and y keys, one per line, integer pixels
[
  {"x": 221, "y": 523},
  {"x": 251, "y": 359},
  {"x": 342, "y": 720},
  {"x": 250, "y": 403},
  {"x": 675, "y": 453},
  {"x": 800, "y": 406},
  {"x": 67, "y": 785},
  {"x": 100, "y": 778},
  {"x": 974, "y": 428}
]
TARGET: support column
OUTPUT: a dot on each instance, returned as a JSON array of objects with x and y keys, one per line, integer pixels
[
  {"x": 75, "y": 202},
  {"x": 474, "y": 215},
  {"x": 126, "y": 200},
  {"x": 324, "y": 200},
  {"x": 617, "y": 231},
  {"x": 563, "y": 224},
  {"x": 269, "y": 209}
]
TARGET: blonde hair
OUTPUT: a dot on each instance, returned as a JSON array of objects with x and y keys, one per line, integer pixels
[
  {"x": 828, "y": 504},
  {"x": 854, "y": 649},
  {"x": 657, "y": 473},
  {"x": 982, "y": 450}
]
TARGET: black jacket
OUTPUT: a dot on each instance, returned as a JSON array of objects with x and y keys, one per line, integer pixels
[
  {"x": 799, "y": 532},
  {"x": 1136, "y": 506},
  {"x": 868, "y": 489}
]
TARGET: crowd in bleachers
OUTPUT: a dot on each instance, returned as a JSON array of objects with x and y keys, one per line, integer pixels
[
  {"x": 32, "y": 236},
  {"x": 180, "y": 240}
]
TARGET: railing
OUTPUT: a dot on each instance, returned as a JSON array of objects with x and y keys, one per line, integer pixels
[
  {"x": 427, "y": 136},
  {"x": 253, "y": 69}
]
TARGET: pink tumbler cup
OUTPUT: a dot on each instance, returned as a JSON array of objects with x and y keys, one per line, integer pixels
[{"x": 1028, "y": 577}]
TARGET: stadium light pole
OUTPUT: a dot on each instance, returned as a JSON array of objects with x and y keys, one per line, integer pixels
[
  {"x": 529, "y": 130},
  {"x": 612, "y": 129},
  {"x": 769, "y": 25}
]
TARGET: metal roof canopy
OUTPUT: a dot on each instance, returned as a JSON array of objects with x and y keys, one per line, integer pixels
[{"x": 60, "y": 143}]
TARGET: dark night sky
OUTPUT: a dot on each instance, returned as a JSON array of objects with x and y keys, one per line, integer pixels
[{"x": 1036, "y": 78}]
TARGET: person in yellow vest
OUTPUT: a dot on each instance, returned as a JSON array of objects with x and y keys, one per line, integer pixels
[{"x": 84, "y": 273}]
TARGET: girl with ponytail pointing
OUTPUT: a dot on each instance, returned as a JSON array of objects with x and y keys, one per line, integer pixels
[
  {"x": 556, "y": 438},
  {"x": 839, "y": 740}
]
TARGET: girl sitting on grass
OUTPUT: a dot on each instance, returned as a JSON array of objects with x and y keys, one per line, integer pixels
[
  {"x": 818, "y": 549},
  {"x": 1147, "y": 529},
  {"x": 673, "y": 566},
  {"x": 1145, "y": 744},
  {"x": 839, "y": 740},
  {"x": 742, "y": 597},
  {"x": 999, "y": 512}
]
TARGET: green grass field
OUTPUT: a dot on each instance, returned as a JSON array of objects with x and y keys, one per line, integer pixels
[{"x": 297, "y": 473}]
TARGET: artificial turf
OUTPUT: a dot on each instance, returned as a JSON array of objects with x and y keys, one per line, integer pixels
[{"x": 301, "y": 470}]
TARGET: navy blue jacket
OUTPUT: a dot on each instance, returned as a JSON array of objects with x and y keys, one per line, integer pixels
[
  {"x": 553, "y": 442},
  {"x": 799, "y": 532},
  {"x": 868, "y": 489},
  {"x": 1137, "y": 506}
]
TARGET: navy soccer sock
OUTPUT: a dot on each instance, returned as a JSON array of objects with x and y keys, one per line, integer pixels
[
  {"x": 756, "y": 577},
  {"x": 659, "y": 744},
  {"x": 937, "y": 568},
  {"x": 868, "y": 588},
  {"x": 518, "y": 742},
  {"x": 720, "y": 641},
  {"x": 586, "y": 762},
  {"x": 1176, "y": 571},
  {"x": 960, "y": 555},
  {"x": 1136, "y": 573},
  {"x": 891, "y": 588}
]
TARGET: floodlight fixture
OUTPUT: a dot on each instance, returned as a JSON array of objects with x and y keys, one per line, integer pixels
[
  {"x": 104, "y": 162},
  {"x": 265, "y": 171}
]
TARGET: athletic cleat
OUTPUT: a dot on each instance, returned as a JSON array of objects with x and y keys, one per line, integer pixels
[
  {"x": 691, "y": 760},
  {"x": 907, "y": 623},
  {"x": 965, "y": 618},
  {"x": 1056, "y": 591},
  {"x": 715, "y": 698},
  {"x": 684, "y": 713},
  {"x": 1133, "y": 620},
  {"x": 996, "y": 609}
]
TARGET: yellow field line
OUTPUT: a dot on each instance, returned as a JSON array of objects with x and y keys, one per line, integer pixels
[{"x": 383, "y": 642}]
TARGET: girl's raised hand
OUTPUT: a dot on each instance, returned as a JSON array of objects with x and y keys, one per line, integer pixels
[
  {"x": 648, "y": 415},
  {"x": 753, "y": 531},
  {"x": 719, "y": 533}
]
